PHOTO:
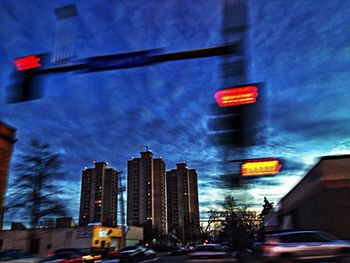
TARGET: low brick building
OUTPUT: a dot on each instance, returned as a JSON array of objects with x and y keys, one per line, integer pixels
[
  {"x": 7, "y": 139},
  {"x": 320, "y": 201},
  {"x": 41, "y": 242}
]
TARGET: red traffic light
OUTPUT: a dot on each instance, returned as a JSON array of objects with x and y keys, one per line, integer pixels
[
  {"x": 29, "y": 62},
  {"x": 236, "y": 96},
  {"x": 256, "y": 167}
]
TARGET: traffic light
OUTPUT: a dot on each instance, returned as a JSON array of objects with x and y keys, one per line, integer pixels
[
  {"x": 259, "y": 167},
  {"x": 236, "y": 117},
  {"x": 25, "y": 79},
  {"x": 236, "y": 96}
]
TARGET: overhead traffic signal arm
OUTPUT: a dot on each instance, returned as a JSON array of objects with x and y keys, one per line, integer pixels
[
  {"x": 233, "y": 48},
  {"x": 31, "y": 66},
  {"x": 122, "y": 60}
]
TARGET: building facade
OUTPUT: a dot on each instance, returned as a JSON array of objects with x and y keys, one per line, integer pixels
[
  {"x": 182, "y": 203},
  {"x": 146, "y": 191},
  {"x": 320, "y": 201},
  {"x": 7, "y": 139},
  {"x": 98, "y": 199},
  {"x": 41, "y": 242}
]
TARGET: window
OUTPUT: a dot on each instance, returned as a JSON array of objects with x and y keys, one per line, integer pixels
[{"x": 34, "y": 247}]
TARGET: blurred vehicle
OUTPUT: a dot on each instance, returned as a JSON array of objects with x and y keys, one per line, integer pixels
[
  {"x": 111, "y": 253},
  {"x": 132, "y": 254},
  {"x": 302, "y": 245},
  {"x": 73, "y": 255},
  {"x": 215, "y": 253},
  {"x": 105, "y": 253},
  {"x": 149, "y": 253},
  {"x": 245, "y": 255},
  {"x": 16, "y": 256},
  {"x": 180, "y": 250},
  {"x": 69, "y": 257},
  {"x": 109, "y": 261},
  {"x": 191, "y": 248}
]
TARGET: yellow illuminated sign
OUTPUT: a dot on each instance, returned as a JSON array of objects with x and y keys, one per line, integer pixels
[
  {"x": 102, "y": 235},
  {"x": 260, "y": 167}
]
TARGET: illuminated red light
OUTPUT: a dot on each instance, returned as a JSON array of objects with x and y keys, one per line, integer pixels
[
  {"x": 236, "y": 96},
  {"x": 260, "y": 167},
  {"x": 28, "y": 62}
]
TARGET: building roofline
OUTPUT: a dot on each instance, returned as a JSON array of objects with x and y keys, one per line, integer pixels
[
  {"x": 302, "y": 180},
  {"x": 335, "y": 157},
  {"x": 323, "y": 158},
  {"x": 8, "y": 126}
]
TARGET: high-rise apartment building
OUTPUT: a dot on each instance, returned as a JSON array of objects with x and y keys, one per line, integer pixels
[
  {"x": 98, "y": 198},
  {"x": 182, "y": 202},
  {"x": 146, "y": 191},
  {"x": 7, "y": 139}
]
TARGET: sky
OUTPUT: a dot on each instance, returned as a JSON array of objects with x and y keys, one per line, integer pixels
[{"x": 299, "y": 49}]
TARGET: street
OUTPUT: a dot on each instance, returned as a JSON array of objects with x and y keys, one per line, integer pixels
[
  {"x": 182, "y": 259},
  {"x": 166, "y": 258}
]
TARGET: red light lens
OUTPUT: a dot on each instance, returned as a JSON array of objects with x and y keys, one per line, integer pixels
[
  {"x": 236, "y": 96},
  {"x": 28, "y": 62}
]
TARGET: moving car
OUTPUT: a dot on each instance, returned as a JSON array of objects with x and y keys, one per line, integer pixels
[
  {"x": 132, "y": 254},
  {"x": 69, "y": 257},
  {"x": 72, "y": 255},
  {"x": 149, "y": 253},
  {"x": 180, "y": 250},
  {"x": 16, "y": 256},
  {"x": 302, "y": 245},
  {"x": 215, "y": 253}
]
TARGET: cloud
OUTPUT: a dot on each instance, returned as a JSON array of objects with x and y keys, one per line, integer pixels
[{"x": 109, "y": 116}]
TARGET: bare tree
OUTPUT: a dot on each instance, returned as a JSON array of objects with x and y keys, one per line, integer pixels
[
  {"x": 239, "y": 225},
  {"x": 267, "y": 207},
  {"x": 35, "y": 189}
]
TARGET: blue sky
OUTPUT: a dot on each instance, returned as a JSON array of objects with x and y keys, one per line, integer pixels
[{"x": 299, "y": 49}]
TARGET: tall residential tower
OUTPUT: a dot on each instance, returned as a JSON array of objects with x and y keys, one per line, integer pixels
[
  {"x": 98, "y": 199},
  {"x": 182, "y": 200},
  {"x": 146, "y": 191}
]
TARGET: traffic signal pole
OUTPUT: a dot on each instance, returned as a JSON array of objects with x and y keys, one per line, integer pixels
[
  {"x": 138, "y": 59},
  {"x": 29, "y": 67}
]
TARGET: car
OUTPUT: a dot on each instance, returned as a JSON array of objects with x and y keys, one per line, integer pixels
[
  {"x": 132, "y": 254},
  {"x": 302, "y": 245},
  {"x": 73, "y": 255},
  {"x": 110, "y": 261},
  {"x": 215, "y": 253},
  {"x": 180, "y": 250},
  {"x": 105, "y": 253},
  {"x": 191, "y": 248},
  {"x": 69, "y": 257},
  {"x": 16, "y": 256},
  {"x": 149, "y": 253}
]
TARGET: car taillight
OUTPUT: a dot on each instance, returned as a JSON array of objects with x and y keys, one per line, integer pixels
[
  {"x": 50, "y": 254},
  {"x": 74, "y": 260},
  {"x": 88, "y": 257},
  {"x": 268, "y": 246}
]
